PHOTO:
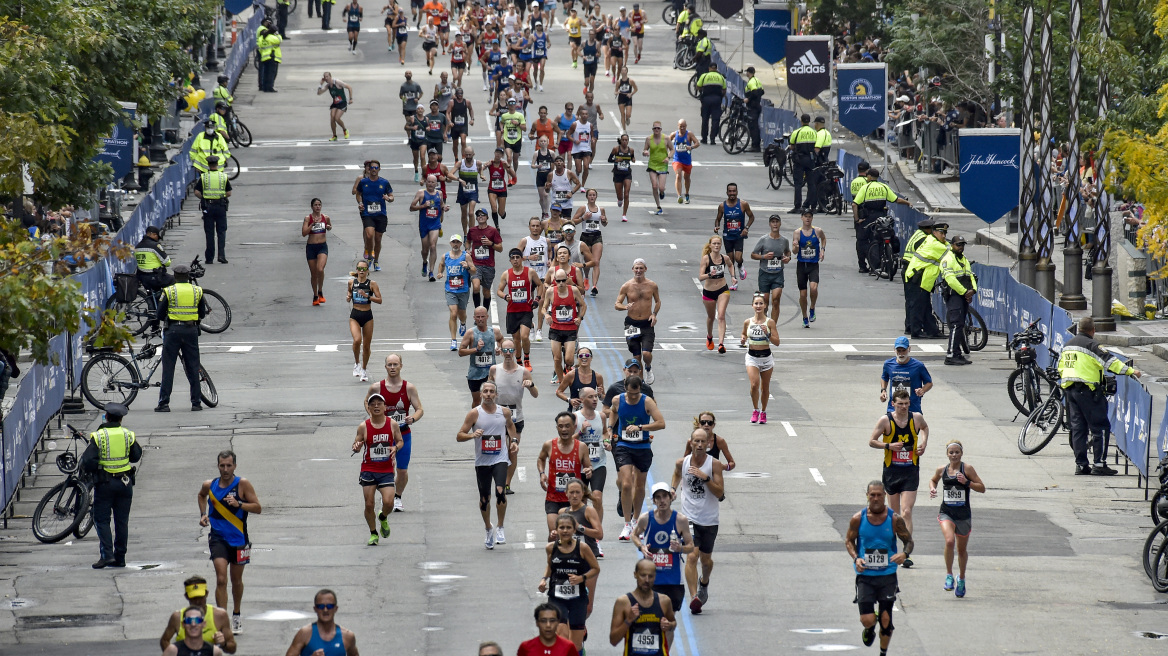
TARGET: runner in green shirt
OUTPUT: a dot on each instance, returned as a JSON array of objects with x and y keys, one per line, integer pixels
[
  {"x": 658, "y": 149},
  {"x": 514, "y": 125}
]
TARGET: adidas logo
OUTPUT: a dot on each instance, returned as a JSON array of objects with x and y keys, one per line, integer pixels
[{"x": 807, "y": 65}]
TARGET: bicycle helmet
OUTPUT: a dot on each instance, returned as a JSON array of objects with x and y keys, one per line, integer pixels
[
  {"x": 223, "y": 79},
  {"x": 222, "y": 104}
]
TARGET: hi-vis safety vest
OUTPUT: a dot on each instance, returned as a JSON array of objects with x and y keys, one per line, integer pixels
[
  {"x": 183, "y": 301},
  {"x": 113, "y": 447}
]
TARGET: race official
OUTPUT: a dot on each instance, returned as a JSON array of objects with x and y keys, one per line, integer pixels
[
  {"x": 214, "y": 189},
  {"x": 152, "y": 261},
  {"x": 803, "y": 162},
  {"x": 182, "y": 306},
  {"x": 754, "y": 93},
  {"x": 711, "y": 89},
  {"x": 1081, "y": 366},
  {"x": 921, "y": 277},
  {"x": 111, "y": 450},
  {"x": 958, "y": 287},
  {"x": 868, "y": 204}
]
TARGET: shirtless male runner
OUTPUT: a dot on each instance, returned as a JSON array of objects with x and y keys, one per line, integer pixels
[{"x": 637, "y": 296}]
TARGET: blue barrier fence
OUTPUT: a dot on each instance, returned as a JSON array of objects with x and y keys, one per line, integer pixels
[{"x": 41, "y": 391}]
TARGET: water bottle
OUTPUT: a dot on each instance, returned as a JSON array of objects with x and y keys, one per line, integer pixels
[{"x": 672, "y": 538}]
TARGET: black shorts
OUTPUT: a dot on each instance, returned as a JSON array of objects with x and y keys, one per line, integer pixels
[
  {"x": 704, "y": 537},
  {"x": 582, "y": 154},
  {"x": 621, "y": 176},
  {"x": 574, "y": 40},
  {"x": 901, "y": 478},
  {"x": 435, "y": 146},
  {"x": 497, "y": 193},
  {"x": 485, "y": 475},
  {"x": 312, "y": 251},
  {"x": 475, "y": 384},
  {"x": 675, "y": 592},
  {"x": 517, "y": 319},
  {"x": 592, "y": 238},
  {"x": 596, "y": 481},
  {"x": 429, "y": 45},
  {"x": 642, "y": 342},
  {"x": 732, "y": 244},
  {"x": 519, "y": 426},
  {"x": 589, "y": 70},
  {"x": 573, "y": 612},
  {"x": 553, "y": 507},
  {"x": 380, "y": 479},
  {"x": 220, "y": 549},
  {"x": 557, "y": 335},
  {"x": 642, "y": 459},
  {"x": 515, "y": 147},
  {"x": 378, "y": 222},
  {"x": 871, "y": 590},
  {"x": 362, "y": 317},
  {"x": 402, "y": 38},
  {"x": 806, "y": 272},
  {"x": 459, "y": 66}
]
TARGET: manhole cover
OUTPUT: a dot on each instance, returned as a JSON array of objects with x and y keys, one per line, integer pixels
[{"x": 58, "y": 621}]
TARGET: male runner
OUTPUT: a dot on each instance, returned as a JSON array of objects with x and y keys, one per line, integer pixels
[
  {"x": 483, "y": 241},
  {"x": 324, "y": 637},
  {"x": 193, "y": 643},
  {"x": 739, "y": 217},
  {"x": 481, "y": 344},
  {"x": 224, "y": 504},
  {"x": 640, "y": 297},
  {"x": 380, "y": 438},
  {"x": 644, "y": 618},
  {"x": 595, "y": 433},
  {"x": 404, "y": 406},
  {"x": 458, "y": 268},
  {"x": 514, "y": 126},
  {"x": 511, "y": 380},
  {"x": 547, "y": 620},
  {"x": 428, "y": 203},
  {"x": 871, "y": 542},
  {"x": 520, "y": 286},
  {"x": 486, "y": 424},
  {"x": 773, "y": 252},
  {"x": 663, "y": 536},
  {"x": 902, "y": 436},
  {"x": 535, "y": 255},
  {"x": 638, "y": 19},
  {"x": 659, "y": 150},
  {"x": 460, "y": 115},
  {"x": 633, "y": 417},
  {"x": 811, "y": 245},
  {"x": 698, "y": 479},
  {"x": 560, "y": 460},
  {"x": 372, "y": 193},
  {"x": 470, "y": 173},
  {"x": 216, "y": 623},
  {"x": 684, "y": 143}
]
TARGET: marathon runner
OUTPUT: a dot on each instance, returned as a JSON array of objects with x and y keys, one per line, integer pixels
[
  {"x": 372, "y": 193},
  {"x": 548, "y": 642},
  {"x": 569, "y": 567},
  {"x": 773, "y": 252},
  {"x": 595, "y": 433},
  {"x": 871, "y": 542},
  {"x": 339, "y": 103},
  {"x": 698, "y": 480},
  {"x": 514, "y": 125},
  {"x": 590, "y": 52},
  {"x": 589, "y": 528},
  {"x": 563, "y": 261},
  {"x": 416, "y": 138},
  {"x": 581, "y": 133},
  {"x": 498, "y": 173},
  {"x": 542, "y": 161},
  {"x": 362, "y": 293},
  {"x": 324, "y": 637},
  {"x": 956, "y": 520},
  {"x": 574, "y": 382},
  {"x": 496, "y": 442},
  {"x": 401, "y": 32},
  {"x": 659, "y": 150},
  {"x": 633, "y": 417},
  {"x": 572, "y": 27},
  {"x": 716, "y": 444},
  {"x": 622, "y": 158},
  {"x": 436, "y": 168},
  {"x": 738, "y": 218},
  {"x": 519, "y": 286},
  {"x": 904, "y": 373},
  {"x": 193, "y": 644},
  {"x": 811, "y": 245},
  {"x": 759, "y": 333},
  {"x": 511, "y": 380},
  {"x": 715, "y": 293},
  {"x": 644, "y": 618},
  {"x": 535, "y": 255},
  {"x": 429, "y": 36},
  {"x": 683, "y": 144},
  {"x": 560, "y": 460},
  {"x": 483, "y": 241},
  {"x": 216, "y": 624},
  {"x": 380, "y": 438},
  {"x": 481, "y": 344},
  {"x": 470, "y": 174},
  {"x": 563, "y": 122},
  {"x": 902, "y": 435},
  {"x": 459, "y": 54},
  {"x": 562, "y": 184},
  {"x": 637, "y": 296},
  {"x": 316, "y": 227},
  {"x": 458, "y": 269},
  {"x": 663, "y": 536},
  {"x": 437, "y": 132},
  {"x": 391, "y": 12},
  {"x": 591, "y": 218},
  {"x": 403, "y": 404},
  {"x": 565, "y": 309},
  {"x": 539, "y": 56},
  {"x": 638, "y": 19},
  {"x": 430, "y": 208},
  {"x": 353, "y": 13}
]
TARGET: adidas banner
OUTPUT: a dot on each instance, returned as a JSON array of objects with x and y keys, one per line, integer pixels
[
  {"x": 772, "y": 26},
  {"x": 990, "y": 183},
  {"x": 726, "y": 8},
  {"x": 809, "y": 65},
  {"x": 861, "y": 89}
]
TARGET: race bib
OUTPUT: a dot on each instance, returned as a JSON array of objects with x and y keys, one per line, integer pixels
[
  {"x": 360, "y": 298},
  {"x": 774, "y": 265},
  {"x": 645, "y": 642},
  {"x": 317, "y": 226},
  {"x": 379, "y": 453},
  {"x": 492, "y": 444},
  {"x": 512, "y": 134},
  {"x": 456, "y": 282},
  {"x": 634, "y": 435},
  {"x": 717, "y": 270},
  {"x": 470, "y": 187},
  {"x": 563, "y": 194},
  {"x": 681, "y": 148},
  {"x": 482, "y": 252},
  {"x": 632, "y": 331},
  {"x": 622, "y": 165},
  {"x": 585, "y": 137},
  {"x": 519, "y": 295},
  {"x": 431, "y": 212},
  {"x": 459, "y": 120},
  {"x": 497, "y": 185},
  {"x": 592, "y": 226},
  {"x": 807, "y": 252},
  {"x": 545, "y": 166},
  {"x": 564, "y": 314},
  {"x": 373, "y": 207},
  {"x": 663, "y": 559},
  {"x": 955, "y": 496},
  {"x": 758, "y": 333},
  {"x": 539, "y": 52},
  {"x": 419, "y": 135},
  {"x": 399, "y": 417},
  {"x": 733, "y": 225},
  {"x": 567, "y": 591},
  {"x": 899, "y": 384},
  {"x": 902, "y": 457},
  {"x": 589, "y": 60},
  {"x": 484, "y": 360},
  {"x": 243, "y": 555},
  {"x": 562, "y": 479},
  {"x": 595, "y": 452},
  {"x": 875, "y": 558},
  {"x": 338, "y": 100}
]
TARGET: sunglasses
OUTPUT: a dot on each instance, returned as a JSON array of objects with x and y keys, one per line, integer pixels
[
  {"x": 584, "y": 356},
  {"x": 706, "y": 422},
  {"x": 511, "y": 350},
  {"x": 325, "y": 606},
  {"x": 561, "y": 280},
  {"x": 192, "y": 620},
  {"x": 374, "y": 168},
  {"x": 362, "y": 269},
  {"x": 656, "y": 129}
]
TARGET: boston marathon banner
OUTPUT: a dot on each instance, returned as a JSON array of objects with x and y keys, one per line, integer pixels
[
  {"x": 809, "y": 65},
  {"x": 990, "y": 183},
  {"x": 773, "y": 23},
  {"x": 861, "y": 89}
]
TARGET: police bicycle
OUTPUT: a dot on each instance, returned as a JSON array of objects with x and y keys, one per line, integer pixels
[
  {"x": 686, "y": 56},
  {"x": 109, "y": 377},
  {"x": 67, "y": 508},
  {"x": 830, "y": 188},
  {"x": 237, "y": 133},
  {"x": 778, "y": 162},
  {"x": 976, "y": 335},
  {"x": 1029, "y": 384},
  {"x": 883, "y": 248},
  {"x": 735, "y": 129},
  {"x": 139, "y": 305}
]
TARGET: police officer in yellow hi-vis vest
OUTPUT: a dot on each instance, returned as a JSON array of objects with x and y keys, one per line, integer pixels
[
  {"x": 214, "y": 189},
  {"x": 152, "y": 261},
  {"x": 268, "y": 43},
  {"x": 1081, "y": 366},
  {"x": 869, "y": 204},
  {"x": 712, "y": 90},
  {"x": 924, "y": 229},
  {"x": 921, "y": 276},
  {"x": 754, "y": 93},
  {"x": 182, "y": 306},
  {"x": 802, "y": 142},
  {"x": 111, "y": 450},
  {"x": 208, "y": 143},
  {"x": 958, "y": 287}
]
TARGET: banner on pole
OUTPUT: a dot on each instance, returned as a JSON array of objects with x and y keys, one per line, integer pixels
[
  {"x": 862, "y": 88},
  {"x": 773, "y": 23},
  {"x": 726, "y": 8},
  {"x": 809, "y": 65},
  {"x": 117, "y": 150},
  {"x": 990, "y": 171}
]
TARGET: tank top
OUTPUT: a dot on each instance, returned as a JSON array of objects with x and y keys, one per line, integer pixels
[
  {"x": 644, "y": 637},
  {"x": 483, "y": 359},
  {"x": 563, "y": 467},
  {"x": 732, "y": 216},
  {"x": 574, "y": 246},
  {"x": 582, "y": 523},
  {"x": 625, "y": 86},
  {"x": 906, "y": 434},
  {"x": 209, "y": 628},
  {"x": 519, "y": 297},
  {"x": 555, "y": 236},
  {"x": 681, "y": 152},
  {"x": 540, "y": 45},
  {"x": 416, "y": 130},
  {"x": 469, "y": 174},
  {"x": 955, "y": 496},
  {"x": 430, "y": 214},
  {"x": 877, "y": 545},
  {"x": 697, "y": 502},
  {"x": 562, "y": 189},
  {"x": 337, "y": 92},
  {"x": 582, "y": 143},
  {"x": 564, "y": 565},
  {"x": 543, "y": 165},
  {"x": 637, "y": 19},
  {"x": 714, "y": 451},
  {"x": 657, "y": 538},
  {"x": 591, "y": 219},
  {"x": 458, "y": 54},
  {"x": 593, "y": 437},
  {"x": 206, "y": 650},
  {"x": 658, "y": 154},
  {"x": 317, "y": 227},
  {"x": 510, "y": 387},
  {"x": 362, "y": 292},
  {"x": 537, "y": 246},
  {"x": 458, "y": 113},
  {"x": 716, "y": 271},
  {"x": 757, "y": 339},
  {"x": 457, "y": 273},
  {"x": 498, "y": 177},
  {"x": 808, "y": 246},
  {"x": 573, "y": 25},
  {"x": 397, "y": 406},
  {"x": 576, "y": 385},
  {"x": 589, "y": 54},
  {"x": 445, "y": 93},
  {"x": 437, "y": 172},
  {"x": 632, "y": 414},
  {"x": 565, "y": 121},
  {"x": 332, "y": 647},
  {"x": 378, "y": 443},
  {"x": 622, "y": 161},
  {"x": 564, "y": 310},
  {"x": 490, "y": 449}
]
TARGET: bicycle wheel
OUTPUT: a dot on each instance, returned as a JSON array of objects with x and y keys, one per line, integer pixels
[
  {"x": 669, "y": 15},
  {"x": 1041, "y": 425},
  {"x": 292, "y": 7},
  {"x": 1022, "y": 390},
  {"x": 218, "y": 313},
  {"x": 976, "y": 334},
  {"x": 776, "y": 174},
  {"x": 890, "y": 262},
  {"x": 737, "y": 139},
  {"x": 243, "y": 134},
  {"x": 1156, "y": 515},
  {"x": 874, "y": 257},
  {"x": 1156, "y": 537},
  {"x": 1159, "y": 567},
  {"x": 109, "y": 378},
  {"x": 232, "y": 168},
  {"x": 138, "y": 312},
  {"x": 686, "y": 59},
  {"x": 255, "y": 60},
  {"x": 59, "y": 511},
  {"x": 789, "y": 171},
  {"x": 207, "y": 389},
  {"x": 693, "y": 86},
  {"x": 86, "y": 524}
]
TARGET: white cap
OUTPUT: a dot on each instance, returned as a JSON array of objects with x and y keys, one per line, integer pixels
[{"x": 660, "y": 487}]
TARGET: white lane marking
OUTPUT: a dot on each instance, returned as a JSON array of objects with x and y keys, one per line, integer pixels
[
  {"x": 662, "y": 229},
  {"x": 931, "y": 348},
  {"x": 356, "y": 143},
  {"x": 817, "y": 476},
  {"x": 590, "y": 345},
  {"x": 698, "y": 284},
  {"x": 672, "y": 347},
  {"x": 326, "y": 348},
  {"x": 295, "y": 169},
  {"x": 842, "y": 348},
  {"x": 521, "y": 473},
  {"x": 239, "y": 349},
  {"x": 530, "y": 544},
  {"x": 352, "y": 167},
  {"x": 490, "y": 123},
  {"x": 494, "y": 311},
  {"x": 671, "y": 246},
  {"x": 414, "y": 346},
  {"x": 303, "y": 144},
  {"x": 789, "y": 428}
]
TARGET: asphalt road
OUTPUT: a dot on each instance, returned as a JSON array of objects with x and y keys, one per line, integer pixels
[{"x": 1054, "y": 560}]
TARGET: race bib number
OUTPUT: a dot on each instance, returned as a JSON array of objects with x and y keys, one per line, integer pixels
[
  {"x": 317, "y": 226},
  {"x": 955, "y": 496},
  {"x": 512, "y": 133},
  {"x": 807, "y": 252},
  {"x": 484, "y": 359},
  {"x": 774, "y": 264},
  {"x": 435, "y": 126},
  {"x": 645, "y": 642},
  {"x": 589, "y": 60},
  {"x": 379, "y": 453},
  {"x": 338, "y": 100},
  {"x": 540, "y": 52},
  {"x": 399, "y": 417},
  {"x": 717, "y": 270},
  {"x": 585, "y": 137},
  {"x": 875, "y": 558},
  {"x": 562, "y": 479},
  {"x": 592, "y": 226},
  {"x": 431, "y": 212},
  {"x": 456, "y": 282},
  {"x": 758, "y": 333},
  {"x": 482, "y": 252},
  {"x": 902, "y": 457},
  {"x": 632, "y": 331},
  {"x": 634, "y": 435},
  {"x": 681, "y": 148},
  {"x": 563, "y": 194},
  {"x": 519, "y": 295},
  {"x": 733, "y": 225},
  {"x": 492, "y": 444},
  {"x": 243, "y": 555},
  {"x": 373, "y": 207},
  {"x": 419, "y": 135},
  {"x": 545, "y": 166},
  {"x": 459, "y": 120},
  {"x": 595, "y": 452},
  {"x": 567, "y": 591},
  {"x": 360, "y": 298},
  {"x": 564, "y": 314},
  {"x": 622, "y": 165},
  {"x": 497, "y": 185},
  {"x": 470, "y": 187}
]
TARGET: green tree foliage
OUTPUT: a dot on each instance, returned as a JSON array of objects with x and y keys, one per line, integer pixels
[
  {"x": 945, "y": 38},
  {"x": 832, "y": 15}
]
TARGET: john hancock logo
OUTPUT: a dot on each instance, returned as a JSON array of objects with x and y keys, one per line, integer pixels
[
  {"x": 860, "y": 97},
  {"x": 990, "y": 160},
  {"x": 763, "y": 26}
]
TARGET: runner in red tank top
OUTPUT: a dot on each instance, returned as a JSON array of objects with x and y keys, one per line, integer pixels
[
  {"x": 565, "y": 309},
  {"x": 561, "y": 460},
  {"x": 519, "y": 286},
  {"x": 436, "y": 168},
  {"x": 404, "y": 407},
  {"x": 380, "y": 438}
]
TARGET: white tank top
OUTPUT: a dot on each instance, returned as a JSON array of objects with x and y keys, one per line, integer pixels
[
  {"x": 491, "y": 448},
  {"x": 697, "y": 502},
  {"x": 591, "y": 220},
  {"x": 539, "y": 246},
  {"x": 562, "y": 189},
  {"x": 576, "y": 257},
  {"x": 582, "y": 143},
  {"x": 510, "y": 387},
  {"x": 593, "y": 437}
]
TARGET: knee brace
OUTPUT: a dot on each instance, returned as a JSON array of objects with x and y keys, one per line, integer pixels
[
  {"x": 885, "y": 607},
  {"x": 501, "y": 497},
  {"x": 484, "y": 502}
]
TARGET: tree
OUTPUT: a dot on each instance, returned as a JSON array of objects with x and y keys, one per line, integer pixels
[{"x": 946, "y": 38}]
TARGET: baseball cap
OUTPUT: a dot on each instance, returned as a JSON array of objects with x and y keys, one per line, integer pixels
[
  {"x": 661, "y": 486},
  {"x": 456, "y": 237},
  {"x": 480, "y": 211},
  {"x": 375, "y": 395},
  {"x": 901, "y": 342},
  {"x": 959, "y": 239},
  {"x": 632, "y": 362}
]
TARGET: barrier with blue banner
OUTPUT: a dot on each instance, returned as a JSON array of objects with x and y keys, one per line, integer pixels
[
  {"x": 118, "y": 149},
  {"x": 990, "y": 176},
  {"x": 775, "y": 122},
  {"x": 1130, "y": 412},
  {"x": 1162, "y": 435}
]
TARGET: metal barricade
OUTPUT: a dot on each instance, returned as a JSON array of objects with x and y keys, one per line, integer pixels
[{"x": 935, "y": 157}]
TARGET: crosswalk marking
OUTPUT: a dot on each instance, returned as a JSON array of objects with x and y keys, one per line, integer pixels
[
  {"x": 817, "y": 476},
  {"x": 789, "y": 428},
  {"x": 239, "y": 349},
  {"x": 931, "y": 348},
  {"x": 414, "y": 346},
  {"x": 672, "y": 347},
  {"x": 842, "y": 348},
  {"x": 326, "y": 348}
]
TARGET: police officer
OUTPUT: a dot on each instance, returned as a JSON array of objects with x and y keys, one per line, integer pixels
[
  {"x": 704, "y": 50},
  {"x": 214, "y": 189},
  {"x": 1081, "y": 365},
  {"x": 221, "y": 92},
  {"x": 924, "y": 229},
  {"x": 182, "y": 306},
  {"x": 754, "y": 93},
  {"x": 711, "y": 89},
  {"x": 111, "y": 450},
  {"x": 206, "y": 144},
  {"x": 803, "y": 161},
  {"x": 867, "y": 205},
  {"x": 958, "y": 286},
  {"x": 152, "y": 261},
  {"x": 270, "y": 58},
  {"x": 921, "y": 276},
  {"x": 282, "y": 8},
  {"x": 822, "y": 142},
  {"x": 860, "y": 180},
  {"x": 219, "y": 117}
]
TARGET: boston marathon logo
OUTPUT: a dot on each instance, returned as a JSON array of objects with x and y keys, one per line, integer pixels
[
  {"x": 860, "y": 97},
  {"x": 990, "y": 160},
  {"x": 807, "y": 65}
]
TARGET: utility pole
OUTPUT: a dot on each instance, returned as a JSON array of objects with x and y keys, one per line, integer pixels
[
  {"x": 1101, "y": 273},
  {"x": 1044, "y": 270},
  {"x": 1072, "y": 298},
  {"x": 1027, "y": 257}
]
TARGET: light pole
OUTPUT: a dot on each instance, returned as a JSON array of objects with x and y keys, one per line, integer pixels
[
  {"x": 1072, "y": 298},
  {"x": 1101, "y": 273},
  {"x": 1027, "y": 258},
  {"x": 1044, "y": 270}
]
